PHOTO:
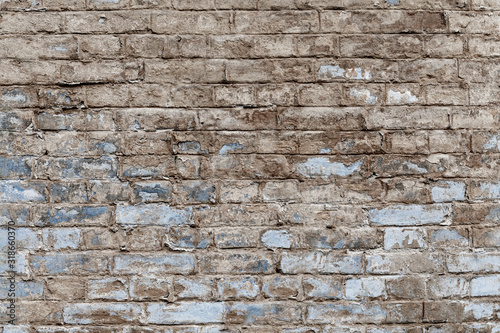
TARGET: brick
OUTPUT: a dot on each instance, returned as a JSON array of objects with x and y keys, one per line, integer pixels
[
  {"x": 403, "y": 287},
  {"x": 64, "y": 288},
  {"x": 236, "y": 238},
  {"x": 31, "y": 23},
  {"x": 144, "y": 288},
  {"x": 74, "y": 192},
  {"x": 84, "y": 263},
  {"x": 105, "y": 191},
  {"x": 99, "y": 239},
  {"x": 12, "y": 191},
  {"x": 475, "y": 23},
  {"x": 370, "y": 313},
  {"x": 235, "y": 263},
  {"x": 188, "y": 238},
  {"x": 185, "y": 71},
  {"x": 78, "y": 168},
  {"x": 265, "y": 71},
  {"x": 322, "y": 288},
  {"x": 188, "y": 288},
  {"x": 281, "y": 288},
  {"x": 449, "y": 94},
  {"x": 62, "y": 238},
  {"x": 489, "y": 237},
  {"x": 145, "y": 239},
  {"x": 448, "y": 142},
  {"x": 276, "y": 22},
  {"x": 476, "y": 263},
  {"x": 179, "y": 22},
  {"x": 244, "y": 287},
  {"x": 156, "y": 119},
  {"x": 409, "y": 215},
  {"x": 24, "y": 289},
  {"x": 389, "y": 46},
  {"x": 68, "y": 215},
  {"x": 318, "y": 262},
  {"x": 51, "y": 47},
  {"x": 106, "y": 71},
  {"x": 106, "y": 22},
  {"x": 320, "y": 45},
  {"x": 393, "y": 263},
  {"x": 153, "y": 263},
  {"x": 393, "y": 21},
  {"x": 108, "y": 289},
  {"x": 485, "y": 286},
  {"x": 444, "y": 46},
  {"x": 407, "y": 118},
  {"x": 357, "y": 70},
  {"x": 431, "y": 70},
  {"x": 362, "y": 288},
  {"x": 102, "y": 313},
  {"x": 264, "y": 313},
  {"x": 447, "y": 286},
  {"x": 404, "y": 238},
  {"x": 158, "y": 214},
  {"x": 26, "y": 72},
  {"x": 186, "y": 313}
]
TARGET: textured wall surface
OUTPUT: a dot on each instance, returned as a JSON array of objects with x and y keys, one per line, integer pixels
[{"x": 283, "y": 166}]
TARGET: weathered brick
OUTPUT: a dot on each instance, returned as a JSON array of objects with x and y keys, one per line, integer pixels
[
  {"x": 102, "y": 313},
  {"x": 186, "y": 313},
  {"x": 153, "y": 263},
  {"x": 188, "y": 288},
  {"x": 106, "y": 22},
  {"x": 235, "y": 263},
  {"x": 144, "y": 288},
  {"x": 409, "y": 215},
  {"x": 84, "y": 263},
  {"x": 244, "y": 287},
  {"x": 408, "y": 118},
  {"x": 393, "y": 263},
  {"x": 276, "y": 22},
  {"x": 108, "y": 289},
  {"x": 447, "y": 286},
  {"x": 471, "y": 262},
  {"x": 318, "y": 262}
]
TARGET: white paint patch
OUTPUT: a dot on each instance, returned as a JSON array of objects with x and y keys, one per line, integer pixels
[
  {"x": 448, "y": 191},
  {"x": 325, "y": 151},
  {"x": 322, "y": 167},
  {"x": 59, "y": 48},
  {"x": 14, "y": 96},
  {"x": 395, "y": 97},
  {"x": 493, "y": 143},
  {"x": 335, "y": 71},
  {"x": 364, "y": 95}
]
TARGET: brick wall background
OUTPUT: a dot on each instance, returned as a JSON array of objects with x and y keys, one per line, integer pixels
[{"x": 283, "y": 166}]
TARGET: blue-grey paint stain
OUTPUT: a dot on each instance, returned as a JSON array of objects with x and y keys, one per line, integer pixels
[
  {"x": 230, "y": 147},
  {"x": 153, "y": 214},
  {"x": 16, "y": 191},
  {"x": 23, "y": 288},
  {"x": 393, "y": 2},
  {"x": 77, "y": 214},
  {"x": 406, "y": 215},
  {"x": 150, "y": 192},
  {"x": 277, "y": 239},
  {"x": 200, "y": 192},
  {"x": 11, "y": 166}
]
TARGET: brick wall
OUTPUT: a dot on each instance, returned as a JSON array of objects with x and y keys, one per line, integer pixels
[{"x": 283, "y": 166}]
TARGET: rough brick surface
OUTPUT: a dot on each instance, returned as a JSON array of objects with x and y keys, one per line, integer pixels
[{"x": 278, "y": 166}]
